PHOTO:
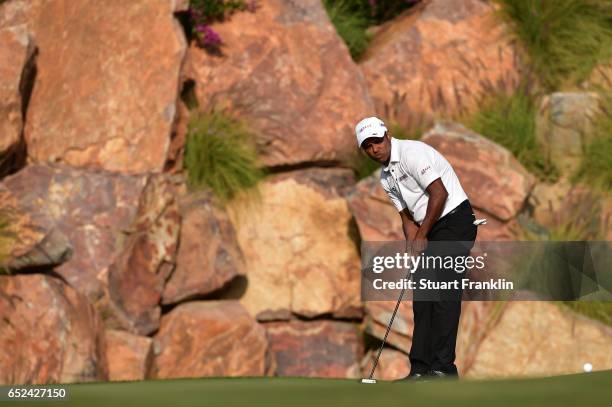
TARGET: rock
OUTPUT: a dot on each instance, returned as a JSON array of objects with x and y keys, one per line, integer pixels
[
  {"x": 180, "y": 5},
  {"x": 176, "y": 150},
  {"x": 547, "y": 199},
  {"x": 376, "y": 217},
  {"x": 208, "y": 254},
  {"x": 492, "y": 178},
  {"x": 50, "y": 249},
  {"x": 17, "y": 51},
  {"x": 26, "y": 240},
  {"x": 438, "y": 59},
  {"x": 565, "y": 123},
  {"x": 298, "y": 251},
  {"x": 129, "y": 356},
  {"x": 316, "y": 348},
  {"x": 555, "y": 205},
  {"x": 392, "y": 365},
  {"x": 378, "y": 315},
  {"x": 477, "y": 319},
  {"x": 137, "y": 276},
  {"x": 302, "y": 99},
  {"x": 536, "y": 338},
  {"x": 107, "y": 83},
  {"x": 66, "y": 214},
  {"x": 600, "y": 78},
  {"x": 14, "y": 12},
  {"x": 121, "y": 231},
  {"x": 49, "y": 333},
  {"x": 210, "y": 338}
]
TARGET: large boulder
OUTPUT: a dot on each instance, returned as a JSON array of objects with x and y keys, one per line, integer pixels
[
  {"x": 107, "y": 81},
  {"x": 208, "y": 255},
  {"x": 316, "y": 348},
  {"x": 17, "y": 51},
  {"x": 137, "y": 276},
  {"x": 300, "y": 257},
  {"x": 301, "y": 98},
  {"x": 210, "y": 338},
  {"x": 492, "y": 178},
  {"x": 537, "y": 338},
  {"x": 70, "y": 216},
  {"x": 129, "y": 356},
  {"x": 49, "y": 333},
  {"x": 438, "y": 59},
  {"x": 565, "y": 124},
  {"x": 111, "y": 236}
]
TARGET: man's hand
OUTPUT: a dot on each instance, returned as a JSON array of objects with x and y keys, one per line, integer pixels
[
  {"x": 419, "y": 244},
  {"x": 437, "y": 197}
]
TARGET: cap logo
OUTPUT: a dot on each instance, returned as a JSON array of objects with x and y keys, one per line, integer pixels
[{"x": 365, "y": 127}]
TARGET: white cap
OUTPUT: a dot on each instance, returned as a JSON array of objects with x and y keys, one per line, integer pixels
[{"x": 369, "y": 127}]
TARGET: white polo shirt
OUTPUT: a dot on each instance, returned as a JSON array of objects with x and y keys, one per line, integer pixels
[{"x": 414, "y": 165}]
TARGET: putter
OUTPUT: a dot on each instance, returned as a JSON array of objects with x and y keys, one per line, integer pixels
[{"x": 369, "y": 380}]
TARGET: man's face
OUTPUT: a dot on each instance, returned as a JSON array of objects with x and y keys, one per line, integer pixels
[{"x": 378, "y": 148}]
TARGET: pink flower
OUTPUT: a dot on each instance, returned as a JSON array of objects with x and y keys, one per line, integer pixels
[{"x": 208, "y": 35}]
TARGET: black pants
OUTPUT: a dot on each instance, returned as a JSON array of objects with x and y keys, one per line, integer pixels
[{"x": 436, "y": 322}]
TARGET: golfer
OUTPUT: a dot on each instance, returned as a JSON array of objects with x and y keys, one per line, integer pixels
[{"x": 425, "y": 190}]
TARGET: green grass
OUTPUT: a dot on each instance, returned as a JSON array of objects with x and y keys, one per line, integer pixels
[
  {"x": 352, "y": 18},
  {"x": 591, "y": 389},
  {"x": 596, "y": 167},
  {"x": 362, "y": 165},
  {"x": 563, "y": 39},
  {"x": 220, "y": 154},
  {"x": 350, "y": 25},
  {"x": 510, "y": 120},
  {"x": 598, "y": 310}
]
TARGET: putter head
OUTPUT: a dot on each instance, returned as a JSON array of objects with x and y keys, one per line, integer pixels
[{"x": 368, "y": 381}]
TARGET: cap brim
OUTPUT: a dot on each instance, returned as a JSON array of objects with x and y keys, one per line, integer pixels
[{"x": 375, "y": 134}]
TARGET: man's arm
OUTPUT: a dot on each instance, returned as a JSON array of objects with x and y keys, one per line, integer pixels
[{"x": 437, "y": 197}]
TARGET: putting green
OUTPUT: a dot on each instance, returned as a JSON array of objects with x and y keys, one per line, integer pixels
[{"x": 593, "y": 389}]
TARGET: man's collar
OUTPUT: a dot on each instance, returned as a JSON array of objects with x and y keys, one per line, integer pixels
[{"x": 394, "y": 156}]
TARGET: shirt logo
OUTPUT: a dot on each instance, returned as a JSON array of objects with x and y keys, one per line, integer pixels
[
  {"x": 425, "y": 169},
  {"x": 403, "y": 177}
]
